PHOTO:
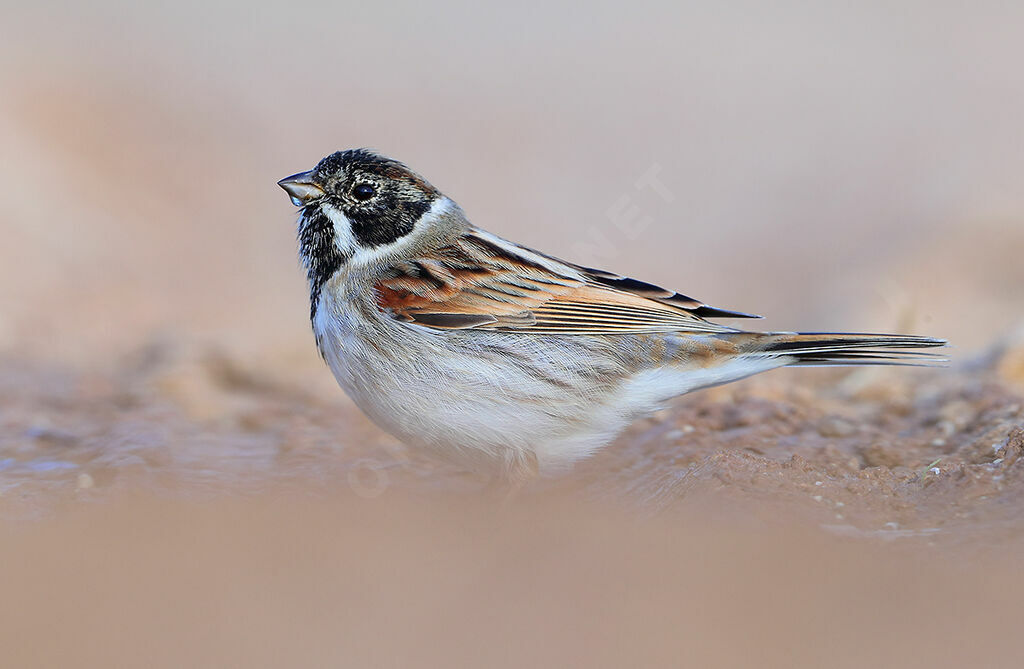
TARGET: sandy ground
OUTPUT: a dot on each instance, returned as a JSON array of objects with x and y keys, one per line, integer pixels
[
  {"x": 183, "y": 484},
  {"x": 874, "y": 451}
]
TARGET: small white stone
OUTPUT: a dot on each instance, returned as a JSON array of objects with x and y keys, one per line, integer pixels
[
  {"x": 818, "y": 483},
  {"x": 817, "y": 498},
  {"x": 84, "y": 481},
  {"x": 935, "y": 470}
]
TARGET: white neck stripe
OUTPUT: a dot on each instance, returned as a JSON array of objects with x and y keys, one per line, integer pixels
[{"x": 362, "y": 256}]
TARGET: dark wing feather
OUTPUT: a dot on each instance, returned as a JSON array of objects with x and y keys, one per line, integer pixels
[
  {"x": 484, "y": 282},
  {"x": 637, "y": 287}
]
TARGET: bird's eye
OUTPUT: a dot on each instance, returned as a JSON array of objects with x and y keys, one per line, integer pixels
[{"x": 363, "y": 192}]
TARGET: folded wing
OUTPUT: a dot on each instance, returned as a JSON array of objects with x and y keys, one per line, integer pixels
[{"x": 485, "y": 282}]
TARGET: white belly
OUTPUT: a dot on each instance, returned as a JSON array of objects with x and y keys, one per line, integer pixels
[{"x": 453, "y": 394}]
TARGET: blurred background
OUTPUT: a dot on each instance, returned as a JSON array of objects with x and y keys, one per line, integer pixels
[{"x": 832, "y": 166}]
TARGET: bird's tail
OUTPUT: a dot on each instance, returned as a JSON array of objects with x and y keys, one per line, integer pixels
[{"x": 846, "y": 348}]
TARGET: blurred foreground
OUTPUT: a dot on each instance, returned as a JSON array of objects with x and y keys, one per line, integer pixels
[
  {"x": 330, "y": 579},
  {"x": 185, "y": 510}
]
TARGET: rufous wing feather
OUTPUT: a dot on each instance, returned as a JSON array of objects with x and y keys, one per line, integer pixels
[{"x": 484, "y": 282}]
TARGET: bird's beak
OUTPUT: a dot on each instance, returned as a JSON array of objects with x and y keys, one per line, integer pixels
[{"x": 301, "y": 188}]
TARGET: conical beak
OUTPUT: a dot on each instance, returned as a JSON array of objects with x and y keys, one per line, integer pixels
[{"x": 301, "y": 188}]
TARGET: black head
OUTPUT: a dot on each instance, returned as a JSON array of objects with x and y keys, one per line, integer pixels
[
  {"x": 353, "y": 202},
  {"x": 381, "y": 198}
]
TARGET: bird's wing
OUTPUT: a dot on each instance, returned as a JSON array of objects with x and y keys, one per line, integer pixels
[{"x": 482, "y": 281}]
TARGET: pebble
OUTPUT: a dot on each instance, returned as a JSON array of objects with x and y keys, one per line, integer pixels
[{"x": 834, "y": 426}]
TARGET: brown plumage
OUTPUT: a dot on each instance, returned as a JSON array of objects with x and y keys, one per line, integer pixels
[{"x": 475, "y": 282}]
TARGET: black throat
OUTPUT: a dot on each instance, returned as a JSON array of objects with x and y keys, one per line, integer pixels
[{"x": 319, "y": 253}]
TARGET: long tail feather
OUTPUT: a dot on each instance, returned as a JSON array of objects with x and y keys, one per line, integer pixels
[{"x": 842, "y": 348}]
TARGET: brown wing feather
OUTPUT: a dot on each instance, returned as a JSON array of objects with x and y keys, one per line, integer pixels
[{"x": 483, "y": 282}]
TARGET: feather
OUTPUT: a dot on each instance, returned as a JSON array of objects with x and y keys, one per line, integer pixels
[
  {"x": 841, "y": 348},
  {"x": 484, "y": 282}
]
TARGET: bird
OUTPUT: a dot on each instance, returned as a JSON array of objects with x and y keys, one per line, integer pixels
[{"x": 501, "y": 358}]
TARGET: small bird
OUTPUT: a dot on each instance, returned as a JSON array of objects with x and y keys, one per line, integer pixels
[{"x": 499, "y": 357}]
